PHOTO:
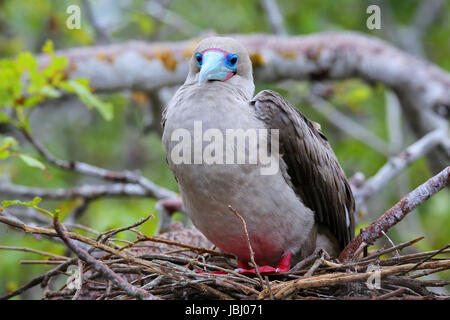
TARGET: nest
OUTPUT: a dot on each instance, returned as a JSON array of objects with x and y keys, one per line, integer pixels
[{"x": 183, "y": 264}]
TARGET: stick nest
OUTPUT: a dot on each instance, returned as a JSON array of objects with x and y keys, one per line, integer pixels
[{"x": 172, "y": 265}]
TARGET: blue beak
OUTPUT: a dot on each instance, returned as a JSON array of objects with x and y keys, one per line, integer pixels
[{"x": 213, "y": 67}]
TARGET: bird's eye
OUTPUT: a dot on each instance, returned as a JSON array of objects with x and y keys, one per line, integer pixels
[
  {"x": 231, "y": 61},
  {"x": 199, "y": 59}
]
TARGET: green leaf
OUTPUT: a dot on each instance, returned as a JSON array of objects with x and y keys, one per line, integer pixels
[
  {"x": 7, "y": 203},
  {"x": 49, "y": 91},
  {"x": 36, "y": 201},
  {"x": 26, "y": 61},
  {"x": 48, "y": 47},
  {"x": 4, "y": 118},
  {"x": 32, "y": 204},
  {"x": 7, "y": 145},
  {"x": 32, "y": 162},
  {"x": 81, "y": 88}
]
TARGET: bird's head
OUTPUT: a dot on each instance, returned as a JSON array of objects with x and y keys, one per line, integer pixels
[{"x": 220, "y": 59}]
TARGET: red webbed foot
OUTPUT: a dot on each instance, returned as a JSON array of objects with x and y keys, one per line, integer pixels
[{"x": 282, "y": 266}]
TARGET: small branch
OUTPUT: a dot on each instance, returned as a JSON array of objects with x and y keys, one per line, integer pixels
[
  {"x": 347, "y": 125},
  {"x": 172, "y": 19},
  {"x": 397, "y": 164},
  {"x": 103, "y": 237},
  {"x": 315, "y": 265},
  {"x": 40, "y": 279},
  {"x": 252, "y": 253},
  {"x": 274, "y": 15},
  {"x": 143, "y": 237},
  {"x": 394, "y": 248},
  {"x": 165, "y": 208},
  {"x": 284, "y": 289},
  {"x": 43, "y": 253},
  {"x": 101, "y": 35},
  {"x": 85, "y": 191},
  {"x": 407, "y": 204},
  {"x": 101, "y": 267},
  {"x": 80, "y": 280},
  {"x": 129, "y": 177}
]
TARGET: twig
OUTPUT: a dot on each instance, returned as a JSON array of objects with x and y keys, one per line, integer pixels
[
  {"x": 43, "y": 253},
  {"x": 252, "y": 253},
  {"x": 101, "y": 267},
  {"x": 102, "y": 36},
  {"x": 397, "y": 247},
  {"x": 397, "y": 164},
  {"x": 79, "y": 280},
  {"x": 274, "y": 15},
  {"x": 308, "y": 260},
  {"x": 407, "y": 204},
  {"x": 103, "y": 237},
  {"x": 390, "y": 294},
  {"x": 183, "y": 245},
  {"x": 87, "y": 169},
  {"x": 89, "y": 241},
  {"x": 269, "y": 288},
  {"x": 346, "y": 124},
  {"x": 396, "y": 253},
  {"x": 428, "y": 258},
  {"x": 41, "y": 261},
  {"x": 170, "y": 18},
  {"x": 85, "y": 191},
  {"x": 288, "y": 287},
  {"x": 39, "y": 279},
  {"x": 314, "y": 267}
]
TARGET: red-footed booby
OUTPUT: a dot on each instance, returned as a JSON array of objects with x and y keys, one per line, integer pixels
[{"x": 304, "y": 204}]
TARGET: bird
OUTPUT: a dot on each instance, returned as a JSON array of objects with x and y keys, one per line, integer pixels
[{"x": 307, "y": 203}]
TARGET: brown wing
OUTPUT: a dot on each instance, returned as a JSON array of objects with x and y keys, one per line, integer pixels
[{"x": 311, "y": 167}]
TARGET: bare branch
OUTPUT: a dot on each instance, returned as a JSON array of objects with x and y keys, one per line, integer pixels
[
  {"x": 152, "y": 190},
  {"x": 407, "y": 204},
  {"x": 423, "y": 91},
  {"x": 347, "y": 125},
  {"x": 274, "y": 15},
  {"x": 249, "y": 245},
  {"x": 85, "y": 191},
  {"x": 161, "y": 13},
  {"x": 397, "y": 164},
  {"x": 101, "y": 35},
  {"x": 99, "y": 266},
  {"x": 40, "y": 279}
]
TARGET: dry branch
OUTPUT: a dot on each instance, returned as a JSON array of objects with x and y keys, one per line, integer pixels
[
  {"x": 407, "y": 204},
  {"x": 100, "y": 266},
  {"x": 423, "y": 91},
  {"x": 170, "y": 274},
  {"x": 126, "y": 177},
  {"x": 397, "y": 164}
]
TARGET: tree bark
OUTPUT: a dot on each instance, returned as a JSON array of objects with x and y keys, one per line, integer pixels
[{"x": 422, "y": 87}]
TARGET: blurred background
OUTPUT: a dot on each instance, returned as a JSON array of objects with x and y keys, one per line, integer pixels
[{"x": 131, "y": 138}]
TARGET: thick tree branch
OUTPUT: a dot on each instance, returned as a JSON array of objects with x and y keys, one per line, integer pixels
[
  {"x": 423, "y": 90},
  {"x": 407, "y": 204}
]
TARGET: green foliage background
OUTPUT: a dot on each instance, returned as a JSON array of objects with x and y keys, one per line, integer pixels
[{"x": 73, "y": 132}]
